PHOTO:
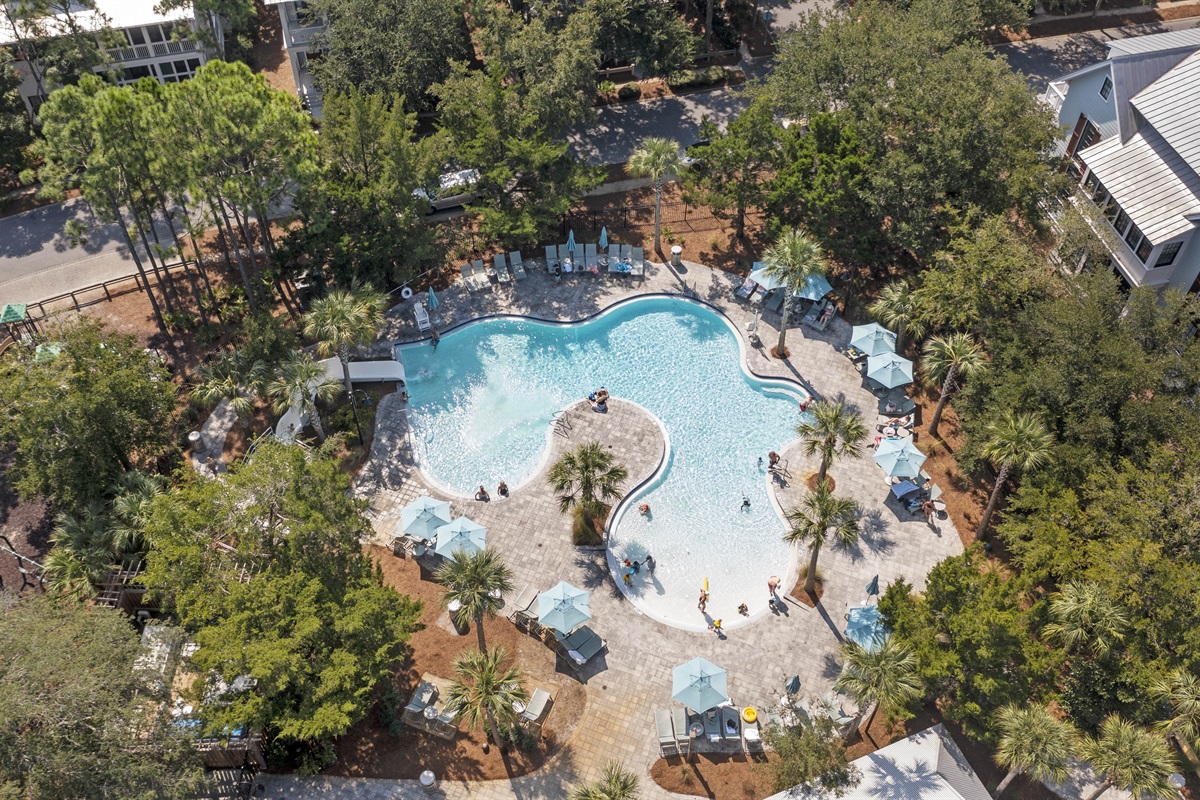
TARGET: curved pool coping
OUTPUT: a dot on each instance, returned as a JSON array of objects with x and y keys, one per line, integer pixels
[{"x": 627, "y": 501}]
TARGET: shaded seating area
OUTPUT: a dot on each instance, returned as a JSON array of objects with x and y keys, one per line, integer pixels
[
  {"x": 725, "y": 729},
  {"x": 579, "y": 647},
  {"x": 427, "y": 710}
]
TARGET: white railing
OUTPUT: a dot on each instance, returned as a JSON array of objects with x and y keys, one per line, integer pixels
[{"x": 152, "y": 50}]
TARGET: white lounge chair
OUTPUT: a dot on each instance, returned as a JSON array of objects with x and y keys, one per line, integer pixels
[
  {"x": 566, "y": 258},
  {"x": 537, "y": 706},
  {"x": 502, "y": 273},
  {"x": 514, "y": 262},
  {"x": 422, "y": 317},
  {"x": 626, "y": 253},
  {"x": 551, "y": 257},
  {"x": 468, "y": 276},
  {"x": 666, "y": 736},
  {"x": 590, "y": 259},
  {"x": 638, "y": 269},
  {"x": 683, "y": 737},
  {"x": 524, "y": 600}
]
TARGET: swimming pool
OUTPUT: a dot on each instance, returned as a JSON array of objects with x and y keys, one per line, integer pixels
[{"x": 481, "y": 405}]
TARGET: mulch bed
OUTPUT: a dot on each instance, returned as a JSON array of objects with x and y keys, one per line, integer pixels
[
  {"x": 370, "y": 751},
  {"x": 25, "y": 523},
  {"x": 716, "y": 775}
]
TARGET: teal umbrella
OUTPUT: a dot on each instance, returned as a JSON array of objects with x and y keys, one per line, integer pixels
[
  {"x": 604, "y": 238},
  {"x": 873, "y": 339},
  {"x": 571, "y": 241},
  {"x": 699, "y": 685},
  {"x": 423, "y": 516},
  {"x": 890, "y": 370},
  {"x": 433, "y": 301},
  {"x": 760, "y": 274},
  {"x": 873, "y": 586},
  {"x": 815, "y": 287},
  {"x": 462, "y": 534},
  {"x": 865, "y": 627},
  {"x": 899, "y": 458},
  {"x": 564, "y": 608}
]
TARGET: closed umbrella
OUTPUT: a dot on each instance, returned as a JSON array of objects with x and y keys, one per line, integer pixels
[
  {"x": 889, "y": 370},
  {"x": 433, "y": 301},
  {"x": 865, "y": 627},
  {"x": 422, "y": 517},
  {"x": 793, "y": 685},
  {"x": 899, "y": 458},
  {"x": 571, "y": 241},
  {"x": 604, "y": 238},
  {"x": 873, "y": 339},
  {"x": 873, "y": 586},
  {"x": 815, "y": 287},
  {"x": 699, "y": 685},
  {"x": 564, "y": 608},
  {"x": 462, "y": 534}
]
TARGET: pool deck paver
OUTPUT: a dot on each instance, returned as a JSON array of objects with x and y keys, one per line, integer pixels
[{"x": 633, "y": 677}]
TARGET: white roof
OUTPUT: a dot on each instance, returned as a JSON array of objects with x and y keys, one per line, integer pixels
[
  {"x": 925, "y": 766},
  {"x": 1171, "y": 105},
  {"x": 1154, "y": 42},
  {"x": 1150, "y": 181},
  {"x": 119, "y": 14}
]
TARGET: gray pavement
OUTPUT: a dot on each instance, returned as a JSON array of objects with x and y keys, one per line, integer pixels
[{"x": 632, "y": 678}]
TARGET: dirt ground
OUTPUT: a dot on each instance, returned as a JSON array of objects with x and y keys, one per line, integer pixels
[
  {"x": 368, "y": 750},
  {"x": 268, "y": 55},
  {"x": 716, "y": 775},
  {"x": 25, "y": 526}
]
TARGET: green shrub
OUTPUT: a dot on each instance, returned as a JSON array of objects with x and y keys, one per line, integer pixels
[
  {"x": 519, "y": 737},
  {"x": 630, "y": 91},
  {"x": 391, "y": 710},
  {"x": 692, "y": 79},
  {"x": 606, "y": 88},
  {"x": 316, "y": 758},
  {"x": 586, "y": 531}
]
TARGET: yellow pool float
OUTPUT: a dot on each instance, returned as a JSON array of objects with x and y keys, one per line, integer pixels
[{"x": 750, "y": 713}]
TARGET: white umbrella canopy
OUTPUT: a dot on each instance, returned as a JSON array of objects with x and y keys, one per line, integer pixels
[
  {"x": 423, "y": 516},
  {"x": 462, "y": 534},
  {"x": 564, "y": 608},
  {"x": 890, "y": 370}
]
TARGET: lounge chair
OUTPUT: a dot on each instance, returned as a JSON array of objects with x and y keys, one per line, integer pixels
[
  {"x": 537, "y": 706},
  {"x": 422, "y": 316},
  {"x": 753, "y": 737},
  {"x": 814, "y": 313},
  {"x": 551, "y": 257},
  {"x": 627, "y": 253},
  {"x": 666, "y": 735},
  {"x": 514, "y": 262},
  {"x": 614, "y": 260},
  {"x": 468, "y": 276},
  {"x": 566, "y": 258},
  {"x": 731, "y": 724},
  {"x": 581, "y": 646},
  {"x": 501, "y": 266},
  {"x": 638, "y": 263},
  {"x": 775, "y": 304},
  {"x": 523, "y": 602},
  {"x": 683, "y": 739},
  {"x": 425, "y": 694},
  {"x": 822, "y": 321},
  {"x": 591, "y": 261},
  {"x": 712, "y": 726},
  {"x": 746, "y": 289}
]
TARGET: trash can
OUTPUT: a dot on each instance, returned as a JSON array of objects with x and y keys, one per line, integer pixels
[
  {"x": 677, "y": 256},
  {"x": 196, "y": 441},
  {"x": 428, "y": 780}
]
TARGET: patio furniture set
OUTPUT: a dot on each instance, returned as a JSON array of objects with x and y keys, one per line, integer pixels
[
  {"x": 423, "y": 711},
  {"x": 725, "y": 729},
  {"x": 576, "y": 644},
  {"x": 504, "y": 270},
  {"x": 619, "y": 259},
  {"x": 811, "y": 306}
]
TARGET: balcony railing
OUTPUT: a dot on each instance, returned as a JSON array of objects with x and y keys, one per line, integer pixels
[{"x": 152, "y": 50}]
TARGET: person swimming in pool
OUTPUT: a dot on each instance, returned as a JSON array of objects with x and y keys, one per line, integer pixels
[{"x": 745, "y": 503}]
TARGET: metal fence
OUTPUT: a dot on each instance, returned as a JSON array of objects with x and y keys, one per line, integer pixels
[{"x": 593, "y": 219}]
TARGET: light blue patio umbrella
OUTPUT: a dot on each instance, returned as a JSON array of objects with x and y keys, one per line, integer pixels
[
  {"x": 890, "y": 370},
  {"x": 423, "y": 516},
  {"x": 899, "y": 458},
  {"x": 760, "y": 274},
  {"x": 815, "y": 287},
  {"x": 865, "y": 627},
  {"x": 571, "y": 241},
  {"x": 433, "y": 301},
  {"x": 873, "y": 339},
  {"x": 462, "y": 534},
  {"x": 564, "y": 608},
  {"x": 699, "y": 685},
  {"x": 604, "y": 238}
]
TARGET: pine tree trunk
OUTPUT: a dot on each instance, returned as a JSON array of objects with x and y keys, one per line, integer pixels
[
  {"x": 810, "y": 580},
  {"x": 997, "y": 490},
  {"x": 1012, "y": 773},
  {"x": 137, "y": 261},
  {"x": 780, "y": 348},
  {"x": 708, "y": 28},
  {"x": 741, "y": 221},
  {"x": 226, "y": 237},
  {"x": 947, "y": 388}
]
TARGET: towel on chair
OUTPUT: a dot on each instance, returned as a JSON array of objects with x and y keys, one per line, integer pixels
[{"x": 579, "y": 659}]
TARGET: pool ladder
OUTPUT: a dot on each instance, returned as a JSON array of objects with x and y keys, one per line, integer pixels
[{"x": 562, "y": 424}]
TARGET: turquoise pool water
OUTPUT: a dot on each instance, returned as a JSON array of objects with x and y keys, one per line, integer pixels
[{"x": 483, "y": 402}]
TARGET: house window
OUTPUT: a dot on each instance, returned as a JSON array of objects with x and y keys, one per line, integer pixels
[
  {"x": 131, "y": 74},
  {"x": 1139, "y": 244},
  {"x": 1121, "y": 222},
  {"x": 1106, "y": 87},
  {"x": 1167, "y": 257},
  {"x": 136, "y": 37},
  {"x": 155, "y": 33}
]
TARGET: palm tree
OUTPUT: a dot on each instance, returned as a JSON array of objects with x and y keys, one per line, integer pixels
[
  {"x": 896, "y": 308},
  {"x": 885, "y": 678},
  {"x": 1181, "y": 692},
  {"x": 82, "y": 552},
  {"x": 821, "y": 514},
  {"x": 947, "y": 359},
  {"x": 616, "y": 783},
  {"x": 231, "y": 377},
  {"x": 1015, "y": 442},
  {"x": 586, "y": 476},
  {"x": 301, "y": 382},
  {"x": 792, "y": 260},
  {"x": 477, "y": 581},
  {"x": 1083, "y": 613},
  {"x": 1130, "y": 758},
  {"x": 132, "y": 506},
  {"x": 657, "y": 159},
  {"x": 1033, "y": 742},
  {"x": 833, "y": 430},
  {"x": 343, "y": 320},
  {"x": 484, "y": 691}
]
